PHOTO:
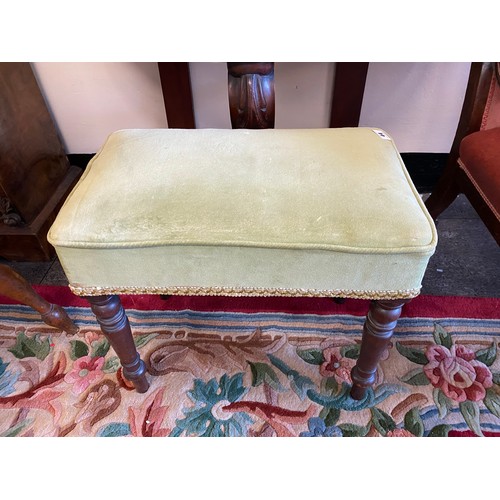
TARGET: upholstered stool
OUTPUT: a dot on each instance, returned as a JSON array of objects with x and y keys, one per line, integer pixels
[{"x": 316, "y": 212}]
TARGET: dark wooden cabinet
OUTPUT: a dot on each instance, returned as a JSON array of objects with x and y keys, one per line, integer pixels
[{"x": 35, "y": 175}]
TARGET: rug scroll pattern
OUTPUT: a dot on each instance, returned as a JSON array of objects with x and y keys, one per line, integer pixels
[{"x": 241, "y": 374}]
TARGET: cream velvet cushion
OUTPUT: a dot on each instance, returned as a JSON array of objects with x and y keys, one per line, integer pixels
[{"x": 322, "y": 212}]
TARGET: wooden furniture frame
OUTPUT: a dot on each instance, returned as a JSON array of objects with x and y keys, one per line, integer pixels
[
  {"x": 176, "y": 88},
  {"x": 35, "y": 174},
  {"x": 454, "y": 180},
  {"x": 14, "y": 286},
  {"x": 347, "y": 93}
]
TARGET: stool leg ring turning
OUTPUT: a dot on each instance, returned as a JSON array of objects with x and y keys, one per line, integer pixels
[
  {"x": 377, "y": 331},
  {"x": 116, "y": 327}
]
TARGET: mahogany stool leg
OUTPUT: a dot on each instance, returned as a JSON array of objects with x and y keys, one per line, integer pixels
[
  {"x": 377, "y": 331},
  {"x": 14, "y": 286},
  {"x": 115, "y": 326}
]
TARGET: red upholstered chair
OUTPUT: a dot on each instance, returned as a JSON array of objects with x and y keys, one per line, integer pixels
[{"x": 473, "y": 167}]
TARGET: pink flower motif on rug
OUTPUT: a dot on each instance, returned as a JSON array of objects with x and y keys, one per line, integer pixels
[
  {"x": 335, "y": 365},
  {"x": 457, "y": 373},
  {"x": 86, "y": 371}
]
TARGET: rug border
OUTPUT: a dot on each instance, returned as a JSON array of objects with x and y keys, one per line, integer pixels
[{"x": 431, "y": 306}]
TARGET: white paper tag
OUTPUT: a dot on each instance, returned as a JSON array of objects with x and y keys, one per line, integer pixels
[{"x": 382, "y": 134}]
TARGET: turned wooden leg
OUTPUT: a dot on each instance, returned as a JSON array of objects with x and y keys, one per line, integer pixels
[
  {"x": 116, "y": 327},
  {"x": 14, "y": 286},
  {"x": 377, "y": 331}
]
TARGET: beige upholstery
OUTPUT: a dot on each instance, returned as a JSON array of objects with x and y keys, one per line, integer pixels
[{"x": 246, "y": 212}]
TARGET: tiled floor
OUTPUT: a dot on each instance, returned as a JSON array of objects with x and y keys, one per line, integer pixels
[{"x": 466, "y": 262}]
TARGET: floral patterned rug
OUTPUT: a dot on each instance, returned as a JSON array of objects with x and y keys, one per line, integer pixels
[{"x": 230, "y": 372}]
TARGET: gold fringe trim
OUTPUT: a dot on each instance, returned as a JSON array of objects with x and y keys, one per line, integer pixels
[{"x": 246, "y": 292}]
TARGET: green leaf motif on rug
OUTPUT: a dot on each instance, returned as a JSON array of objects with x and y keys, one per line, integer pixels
[
  {"x": 415, "y": 377},
  {"x": 443, "y": 403},
  {"x": 311, "y": 356},
  {"x": 142, "y": 340},
  {"x": 412, "y": 354},
  {"x": 78, "y": 349},
  {"x": 413, "y": 422},
  {"x": 470, "y": 412},
  {"x": 330, "y": 416},
  {"x": 111, "y": 365},
  {"x": 100, "y": 348},
  {"x": 351, "y": 351},
  {"x": 441, "y": 336},
  {"x": 352, "y": 430},
  {"x": 382, "y": 421},
  {"x": 440, "y": 430},
  {"x": 487, "y": 356},
  {"x": 492, "y": 401},
  {"x": 30, "y": 347},
  {"x": 262, "y": 373},
  {"x": 330, "y": 386}
]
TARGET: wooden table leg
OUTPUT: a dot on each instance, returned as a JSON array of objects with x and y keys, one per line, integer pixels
[
  {"x": 377, "y": 331},
  {"x": 14, "y": 286},
  {"x": 116, "y": 327}
]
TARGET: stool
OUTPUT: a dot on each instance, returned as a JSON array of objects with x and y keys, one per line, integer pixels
[{"x": 272, "y": 212}]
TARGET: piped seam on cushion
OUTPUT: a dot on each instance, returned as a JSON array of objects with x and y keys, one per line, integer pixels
[{"x": 130, "y": 245}]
